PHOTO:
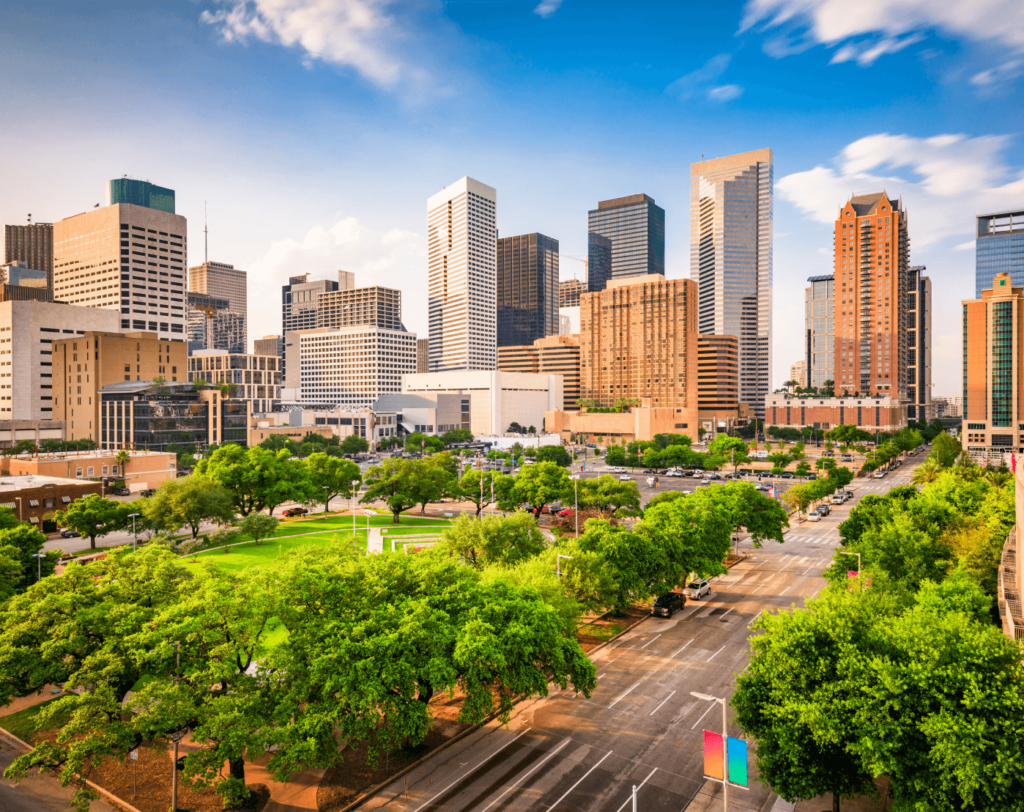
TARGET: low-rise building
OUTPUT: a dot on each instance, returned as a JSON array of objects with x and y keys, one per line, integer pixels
[
  {"x": 496, "y": 399},
  {"x": 949, "y": 405},
  {"x": 637, "y": 423},
  {"x": 253, "y": 378},
  {"x": 869, "y": 413},
  {"x": 553, "y": 355},
  {"x": 35, "y": 431},
  {"x": 370, "y": 424},
  {"x": 144, "y": 469},
  {"x": 36, "y": 499}
]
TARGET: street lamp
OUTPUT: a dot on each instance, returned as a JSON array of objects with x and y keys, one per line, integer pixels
[
  {"x": 39, "y": 565},
  {"x": 368, "y": 514},
  {"x": 327, "y": 498},
  {"x": 576, "y": 501},
  {"x": 355, "y": 490},
  {"x": 135, "y": 538},
  {"x": 725, "y": 747},
  {"x": 558, "y": 563}
]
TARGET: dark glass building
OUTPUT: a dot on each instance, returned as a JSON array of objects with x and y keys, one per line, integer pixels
[
  {"x": 599, "y": 262},
  {"x": 528, "y": 289},
  {"x": 1000, "y": 249},
  {"x": 635, "y": 227},
  {"x": 140, "y": 193}
]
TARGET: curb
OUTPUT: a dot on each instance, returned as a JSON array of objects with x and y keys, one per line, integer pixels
[{"x": 107, "y": 796}]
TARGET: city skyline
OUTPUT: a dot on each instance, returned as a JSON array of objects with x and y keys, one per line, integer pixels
[{"x": 287, "y": 202}]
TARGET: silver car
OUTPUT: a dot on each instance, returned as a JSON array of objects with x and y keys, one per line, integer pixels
[{"x": 696, "y": 589}]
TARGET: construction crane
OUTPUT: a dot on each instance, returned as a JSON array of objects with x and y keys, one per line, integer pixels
[{"x": 578, "y": 259}]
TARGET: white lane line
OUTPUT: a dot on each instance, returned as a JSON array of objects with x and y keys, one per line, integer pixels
[
  {"x": 694, "y": 724},
  {"x": 630, "y": 798},
  {"x": 784, "y": 591},
  {"x": 808, "y": 570},
  {"x": 645, "y": 645},
  {"x": 666, "y": 699},
  {"x": 478, "y": 766},
  {"x": 757, "y": 588},
  {"x": 682, "y": 648},
  {"x": 588, "y": 772},
  {"x": 616, "y": 702},
  {"x": 536, "y": 767},
  {"x": 759, "y": 615},
  {"x": 709, "y": 659},
  {"x": 815, "y": 595},
  {"x": 727, "y": 611}
]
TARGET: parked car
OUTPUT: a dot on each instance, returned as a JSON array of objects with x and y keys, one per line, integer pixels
[
  {"x": 827, "y": 453},
  {"x": 838, "y": 498},
  {"x": 879, "y": 474},
  {"x": 296, "y": 511},
  {"x": 705, "y": 481},
  {"x": 786, "y": 475},
  {"x": 149, "y": 492},
  {"x": 814, "y": 516},
  {"x": 674, "y": 473},
  {"x": 713, "y": 475},
  {"x": 823, "y": 510},
  {"x": 70, "y": 534},
  {"x": 667, "y": 605},
  {"x": 811, "y": 476},
  {"x": 121, "y": 492},
  {"x": 846, "y": 458},
  {"x": 697, "y": 589},
  {"x": 565, "y": 512},
  {"x": 848, "y": 495},
  {"x": 625, "y": 478},
  {"x": 760, "y": 486},
  {"x": 648, "y": 471}
]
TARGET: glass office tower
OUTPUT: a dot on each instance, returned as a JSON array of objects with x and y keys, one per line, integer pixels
[
  {"x": 634, "y": 228},
  {"x": 731, "y": 260},
  {"x": 140, "y": 193},
  {"x": 819, "y": 323},
  {"x": 528, "y": 289},
  {"x": 1000, "y": 249}
]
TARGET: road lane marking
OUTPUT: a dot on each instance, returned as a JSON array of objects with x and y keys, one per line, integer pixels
[
  {"x": 727, "y": 611},
  {"x": 666, "y": 699},
  {"x": 630, "y": 798},
  {"x": 588, "y": 772},
  {"x": 694, "y": 724},
  {"x": 477, "y": 767},
  {"x": 757, "y": 588},
  {"x": 616, "y": 702},
  {"x": 784, "y": 591},
  {"x": 530, "y": 772},
  {"x": 808, "y": 570},
  {"x": 645, "y": 645},
  {"x": 759, "y": 615},
  {"x": 682, "y": 648},
  {"x": 709, "y": 659}
]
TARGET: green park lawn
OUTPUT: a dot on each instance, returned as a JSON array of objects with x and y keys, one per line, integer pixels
[{"x": 23, "y": 723}]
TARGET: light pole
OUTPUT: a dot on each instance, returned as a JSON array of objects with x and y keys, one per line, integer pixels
[
  {"x": 355, "y": 491},
  {"x": 368, "y": 514},
  {"x": 725, "y": 747},
  {"x": 327, "y": 498},
  {"x": 39, "y": 565},
  {"x": 18, "y": 500},
  {"x": 558, "y": 563},
  {"x": 576, "y": 501},
  {"x": 135, "y": 537}
]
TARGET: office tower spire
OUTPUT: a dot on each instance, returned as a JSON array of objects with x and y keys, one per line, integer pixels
[
  {"x": 462, "y": 286},
  {"x": 731, "y": 260}
]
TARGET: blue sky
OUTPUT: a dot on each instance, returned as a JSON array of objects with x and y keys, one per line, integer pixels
[{"x": 315, "y": 130}]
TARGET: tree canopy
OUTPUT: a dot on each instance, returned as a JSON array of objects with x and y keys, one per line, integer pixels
[
  {"x": 93, "y": 516},
  {"x": 189, "y": 501},
  {"x": 256, "y": 478}
]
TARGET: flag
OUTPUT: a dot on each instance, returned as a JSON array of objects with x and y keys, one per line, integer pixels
[{"x": 713, "y": 755}]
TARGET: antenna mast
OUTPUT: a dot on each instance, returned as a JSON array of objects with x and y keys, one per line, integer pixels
[{"x": 206, "y": 237}]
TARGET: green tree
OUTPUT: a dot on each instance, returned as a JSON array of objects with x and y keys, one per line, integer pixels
[
  {"x": 11, "y": 572},
  {"x": 663, "y": 441},
  {"x": 258, "y": 526},
  {"x": 476, "y": 487},
  {"x": 93, "y": 516},
  {"x": 20, "y": 544},
  {"x": 802, "y": 468},
  {"x": 696, "y": 530},
  {"x": 505, "y": 540},
  {"x": 354, "y": 444},
  {"x": 554, "y": 453},
  {"x": 606, "y": 493},
  {"x": 256, "y": 478},
  {"x": 539, "y": 485},
  {"x": 331, "y": 476},
  {"x": 189, "y": 501},
  {"x": 945, "y": 450},
  {"x": 396, "y": 482},
  {"x": 616, "y": 456},
  {"x": 453, "y": 436}
]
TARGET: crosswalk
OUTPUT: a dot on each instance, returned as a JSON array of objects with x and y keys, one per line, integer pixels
[{"x": 830, "y": 539}]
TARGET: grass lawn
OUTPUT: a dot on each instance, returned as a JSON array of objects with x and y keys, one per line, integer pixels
[
  {"x": 414, "y": 531},
  {"x": 270, "y": 550},
  {"x": 23, "y": 723},
  {"x": 602, "y": 632}
]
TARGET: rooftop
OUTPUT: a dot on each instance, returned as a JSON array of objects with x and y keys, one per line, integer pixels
[{"x": 10, "y": 484}]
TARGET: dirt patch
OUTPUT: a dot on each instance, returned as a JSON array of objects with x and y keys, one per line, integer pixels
[{"x": 345, "y": 782}]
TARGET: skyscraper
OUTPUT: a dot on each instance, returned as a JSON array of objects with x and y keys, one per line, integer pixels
[
  {"x": 33, "y": 245},
  {"x": 872, "y": 262},
  {"x": 213, "y": 325},
  {"x": 223, "y": 281},
  {"x": 999, "y": 249},
  {"x": 462, "y": 288},
  {"x": 633, "y": 244},
  {"x": 731, "y": 260},
  {"x": 372, "y": 305},
  {"x": 300, "y": 299},
  {"x": 919, "y": 345},
  {"x": 140, "y": 193},
  {"x": 528, "y": 291},
  {"x": 127, "y": 258},
  {"x": 819, "y": 327},
  {"x": 993, "y": 370}
]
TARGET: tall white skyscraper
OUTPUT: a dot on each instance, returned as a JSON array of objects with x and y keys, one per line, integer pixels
[
  {"x": 462, "y": 285},
  {"x": 731, "y": 260}
]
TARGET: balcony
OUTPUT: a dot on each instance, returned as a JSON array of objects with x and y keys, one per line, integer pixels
[{"x": 1009, "y": 591}]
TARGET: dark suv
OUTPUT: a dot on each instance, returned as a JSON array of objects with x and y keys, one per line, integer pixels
[
  {"x": 296, "y": 511},
  {"x": 667, "y": 605}
]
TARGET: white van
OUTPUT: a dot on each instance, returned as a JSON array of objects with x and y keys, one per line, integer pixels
[{"x": 762, "y": 455}]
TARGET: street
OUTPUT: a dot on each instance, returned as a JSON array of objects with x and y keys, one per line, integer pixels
[
  {"x": 642, "y": 726},
  {"x": 36, "y": 793}
]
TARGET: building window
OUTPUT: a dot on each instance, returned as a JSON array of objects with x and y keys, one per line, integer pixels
[
  {"x": 104, "y": 469},
  {"x": 92, "y": 470},
  {"x": 78, "y": 473},
  {"x": 114, "y": 469}
]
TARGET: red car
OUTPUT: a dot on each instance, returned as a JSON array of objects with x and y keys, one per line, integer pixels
[{"x": 565, "y": 512}]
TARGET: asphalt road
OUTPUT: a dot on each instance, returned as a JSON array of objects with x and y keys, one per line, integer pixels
[
  {"x": 36, "y": 793},
  {"x": 642, "y": 726}
]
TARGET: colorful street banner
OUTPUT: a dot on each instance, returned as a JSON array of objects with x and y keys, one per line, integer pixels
[
  {"x": 713, "y": 755},
  {"x": 737, "y": 761},
  {"x": 852, "y": 573}
]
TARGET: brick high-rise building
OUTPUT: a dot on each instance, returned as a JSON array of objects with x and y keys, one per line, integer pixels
[
  {"x": 718, "y": 375},
  {"x": 553, "y": 355},
  {"x": 993, "y": 371},
  {"x": 527, "y": 289},
  {"x": 569, "y": 292},
  {"x": 639, "y": 340},
  {"x": 731, "y": 260},
  {"x": 33, "y": 245},
  {"x": 872, "y": 263}
]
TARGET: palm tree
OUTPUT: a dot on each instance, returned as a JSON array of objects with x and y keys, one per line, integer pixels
[
  {"x": 926, "y": 472},
  {"x": 122, "y": 458},
  {"x": 998, "y": 477}
]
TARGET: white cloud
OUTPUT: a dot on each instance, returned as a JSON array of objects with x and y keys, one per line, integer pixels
[
  {"x": 701, "y": 82},
  {"x": 865, "y": 30},
  {"x": 358, "y": 34},
  {"x": 965, "y": 246},
  {"x": 395, "y": 258},
  {"x": 547, "y": 7},
  {"x": 948, "y": 179}
]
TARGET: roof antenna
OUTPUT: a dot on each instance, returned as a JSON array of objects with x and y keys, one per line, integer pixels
[{"x": 206, "y": 237}]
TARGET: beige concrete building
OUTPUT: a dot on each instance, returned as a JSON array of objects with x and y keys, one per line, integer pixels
[
  {"x": 374, "y": 305},
  {"x": 86, "y": 364},
  {"x": 28, "y": 332},
  {"x": 637, "y": 423},
  {"x": 128, "y": 259},
  {"x": 878, "y": 413},
  {"x": 145, "y": 469},
  {"x": 33, "y": 245},
  {"x": 423, "y": 355},
  {"x": 223, "y": 281},
  {"x": 554, "y": 355},
  {"x": 255, "y": 378},
  {"x": 639, "y": 340},
  {"x": 35, "y": 431},
  {"x": 798, "y": 373}
]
